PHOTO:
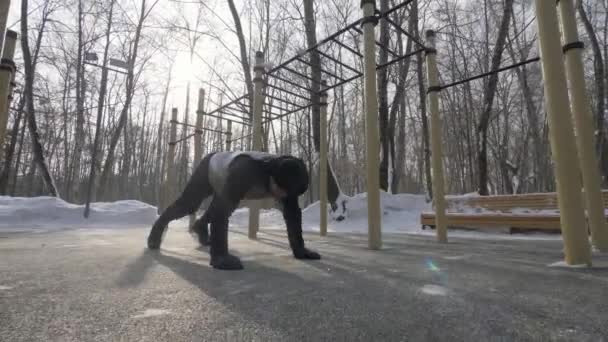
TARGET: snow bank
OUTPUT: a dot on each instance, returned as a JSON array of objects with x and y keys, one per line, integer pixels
[
  {"x": 52, "y": 212},
  {"x": 401, "y": 213}
]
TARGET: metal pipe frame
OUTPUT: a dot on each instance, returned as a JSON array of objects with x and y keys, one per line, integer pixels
[
  {"x": 288, "y": 92},
  {"x": 289, "y": 82},
  {"x": 322, "y": 70},
  {"x": 353, "y": 51},
  {"x": 289, "y": 113},
  {"x": 485, "y": 74},
  {"x": 200, "y": 129},
  {"x": 379, "y": 44},
  {"x": 283, "y": 100},
  {"x": 402, "y": 30},
  {"x": 389, "y": 63},
  {"x": 331, "y": 58},
  {"x": 238, "y": 99}
]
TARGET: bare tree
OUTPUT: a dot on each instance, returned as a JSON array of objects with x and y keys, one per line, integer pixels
[{"x": 28, "y": 92}]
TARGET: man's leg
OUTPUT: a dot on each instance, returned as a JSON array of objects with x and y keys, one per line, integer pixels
[
  {"x": 197, "y": 189},
  {"x": 201, "y": 229},
  {"x": 220, "y": 258},
  {"x": 175, "y": 211}
]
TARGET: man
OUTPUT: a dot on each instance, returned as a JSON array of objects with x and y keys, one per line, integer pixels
[{"x": 230, "y": 177}]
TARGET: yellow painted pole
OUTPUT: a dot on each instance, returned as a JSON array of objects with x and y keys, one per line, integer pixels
[
  {"x": 4, "y": 7},
  {"x": 258, "y": 102},
  {"x": 198, "y": 141},
  {"x": 432, "y": 75},
  {"x": 372, "y": 139},
  {"x": 7, "y": 77},
  {"x": 170, "y": 180},
  {"x": 583, "y": 119},
  {"x": 229, "y": 135},
  {"x": 561, "y": 134},
  {"x": 323, "y": 160}
]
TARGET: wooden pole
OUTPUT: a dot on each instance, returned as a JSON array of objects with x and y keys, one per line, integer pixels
[
  {"x": 198, "y": 141},
  {"x": 323, "y": 161},
  {"x": 561, "y": 135},
  {"x": 7, "y": 78},
  {"x": 171, "y": 179},
  {"x": 372, "y": 139},
  {"x": 583, "y": 120},
  {"x": 432, "y": 75},
  {"x": 229, "y": 135},
  {"x": 258, "y": 102}
]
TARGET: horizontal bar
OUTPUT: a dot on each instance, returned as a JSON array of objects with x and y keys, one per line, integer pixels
[
  {"x": 288, "y": 92},
  {"x": 397, "y": 7},
  {"x": 325, "y": 40},
  {"x": 300, "y": 74},
  {"x": 290, "y": 82},
  {"x": 182, "y": 139},
  {"x": 341, "y": 82},
  {"x": 241, "y": 137},
  {"x": 274, "y": 106},
  {"x": 402, "y": 30},
  {"x": 381, "y": 66},
  {"x": 282, "y": 100},
  {"x": 338, "y": 62},
  {"x": 197, "y": 129},
  {"x": 229, "y": 103},
  {"x": 111, "y": 69},
  {"x": 237, "y": 110},
  {"x": 348, "y": 48},
  {"x": 289, "y": 113},
  {"x": 213, "y": 115},
  {"x": 379, "y": 44},
  {"x": 449, "y": 85},
  {"x": 320, "y": 68}
]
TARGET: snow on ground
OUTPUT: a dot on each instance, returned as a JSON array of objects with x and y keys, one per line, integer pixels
[
  {"x": 46, "y": 213},
  {"x": 401, "y": 214}
]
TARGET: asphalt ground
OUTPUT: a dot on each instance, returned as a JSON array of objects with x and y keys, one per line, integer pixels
[{"x": 103, "y": 285}]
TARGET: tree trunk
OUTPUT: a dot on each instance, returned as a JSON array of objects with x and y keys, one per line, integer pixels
[
  {"x": 100, "y": 106},
  {"x": 422, "y": 97},
  {"x": 79, "y": 134},
  {"x": 244, "y": 57},
  {"x": 333, "y": 191},
  {"x": 158, "y": 170},
  {"x": 130, "y": 89},
  {"x": 600, "y": 89},
  {"x": 28, "y": 92},
  {"x": 489, "y": 93},
  {"x": 383, "y": 99}
]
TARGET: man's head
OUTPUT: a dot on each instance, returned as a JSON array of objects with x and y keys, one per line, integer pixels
[{"x": 289, "y": 177}]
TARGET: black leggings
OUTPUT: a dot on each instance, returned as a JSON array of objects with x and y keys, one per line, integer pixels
[{"x": 195, "y": 192}]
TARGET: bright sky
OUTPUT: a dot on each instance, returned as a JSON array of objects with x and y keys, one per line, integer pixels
[{"x": 207, "y": 48}]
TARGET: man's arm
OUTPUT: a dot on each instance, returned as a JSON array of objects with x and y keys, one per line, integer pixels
[{"x": 293, "y": 219}]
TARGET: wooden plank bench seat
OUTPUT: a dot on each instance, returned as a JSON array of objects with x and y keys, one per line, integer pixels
[{"x": 537, "y": 211}]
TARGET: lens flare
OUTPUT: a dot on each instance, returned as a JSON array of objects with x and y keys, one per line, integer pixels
[{"x": 431, "y": 266}]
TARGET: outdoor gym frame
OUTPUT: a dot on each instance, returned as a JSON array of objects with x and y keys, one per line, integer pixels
[
  {"x": 571, "y": 160},
  {"x": 289, "y": 95}
]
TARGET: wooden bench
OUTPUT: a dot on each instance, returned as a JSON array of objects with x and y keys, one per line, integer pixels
[{"x": 537, "y": 211}]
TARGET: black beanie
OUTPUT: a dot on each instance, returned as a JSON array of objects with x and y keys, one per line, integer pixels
[{"x": 290, "y": 174}]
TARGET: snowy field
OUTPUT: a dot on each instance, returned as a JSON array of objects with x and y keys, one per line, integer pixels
[{"x": 401, "y": 214}]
